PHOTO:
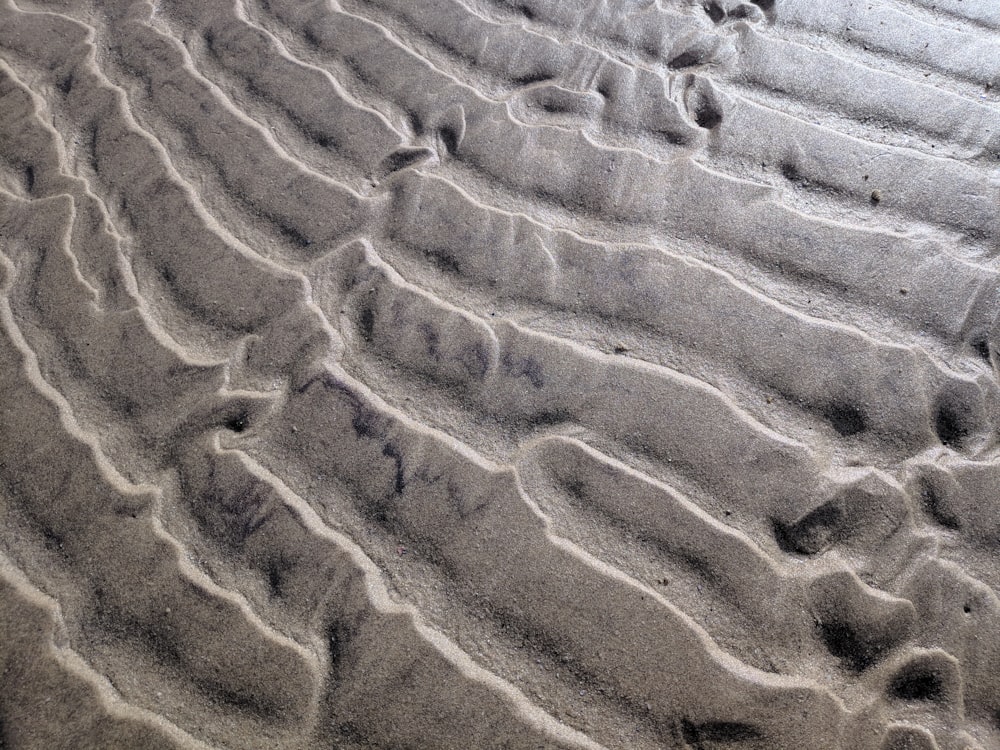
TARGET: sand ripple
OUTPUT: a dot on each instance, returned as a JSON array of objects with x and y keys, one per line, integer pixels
[{"x": 481, "y": 373}]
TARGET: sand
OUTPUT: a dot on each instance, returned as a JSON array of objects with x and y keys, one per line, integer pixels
[{"x": 499, "y": 374}]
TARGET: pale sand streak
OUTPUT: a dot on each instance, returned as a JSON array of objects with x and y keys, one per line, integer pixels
[{"x": 495, "y": 373}]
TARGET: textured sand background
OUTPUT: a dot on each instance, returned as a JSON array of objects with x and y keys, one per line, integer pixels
[{"x": 499, "y": 373}]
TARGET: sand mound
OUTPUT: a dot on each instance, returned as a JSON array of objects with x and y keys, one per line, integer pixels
[{"x": 499, "y": 373}]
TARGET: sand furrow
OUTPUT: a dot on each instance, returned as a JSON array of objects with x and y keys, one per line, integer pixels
[
  {"x": 973, "y": 57},
  {"x": 71, "y": 315},
  {"x": 506, "y": 373},
  {"x": 659, "y": 32},
  {"x": 320, "y": 585},
  {"x": 751, "y": 51},
  {"x": 499, "y": 373},
  {"x": 35, "y": 149},
  {"x": 975, "y": 11},
  {"x": 110, "y": 544},
  {"x": 231, "y": 498},
  {"x": 134, "y": 176},
  {"x": 52, "y": 697},
  {"x": 311, "y": 207},
  {"x": 535, "y": 380},
  {"x": 960, "y": 197},
  {"x": 686, "y": 552},
  {"x": 565, "y": 81},
  {"x": 865, "y": 94},
  {"x": 857, "y": 169},
  {"x": 62, "y": 315},
  {"x": 959, "y": 616},
  {"x": 954, "y": 497},
  {"x": 623, "y": 186},
  {"x": 572, "y": 84},
  {"x": 450, "y": 509},
  {"x": 311, "y": 97},
  {"x": 700, "y": 310}
]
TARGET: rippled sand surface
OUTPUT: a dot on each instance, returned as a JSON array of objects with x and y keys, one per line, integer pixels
[{"x": 499, "y": 374}]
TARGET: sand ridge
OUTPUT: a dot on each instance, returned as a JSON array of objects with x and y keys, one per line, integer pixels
[{"x": 481, "y": 373}]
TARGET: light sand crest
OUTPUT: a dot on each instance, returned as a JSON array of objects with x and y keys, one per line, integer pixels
[{"x": 481, "y": 373}]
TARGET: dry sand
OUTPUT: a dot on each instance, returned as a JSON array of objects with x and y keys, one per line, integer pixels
[{"x": 499, "y": 373}]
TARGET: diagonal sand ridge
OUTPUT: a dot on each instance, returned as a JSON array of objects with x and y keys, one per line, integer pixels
[{"x": 499, "y": 373}]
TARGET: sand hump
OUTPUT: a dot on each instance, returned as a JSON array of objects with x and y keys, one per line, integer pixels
[{"x": 418, "y": 374}]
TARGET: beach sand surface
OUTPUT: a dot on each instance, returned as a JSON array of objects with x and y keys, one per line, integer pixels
[{"x": 499, "y": 374}]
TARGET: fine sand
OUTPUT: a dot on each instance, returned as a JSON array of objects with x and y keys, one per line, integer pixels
[{"x": 499, "y": 374}]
